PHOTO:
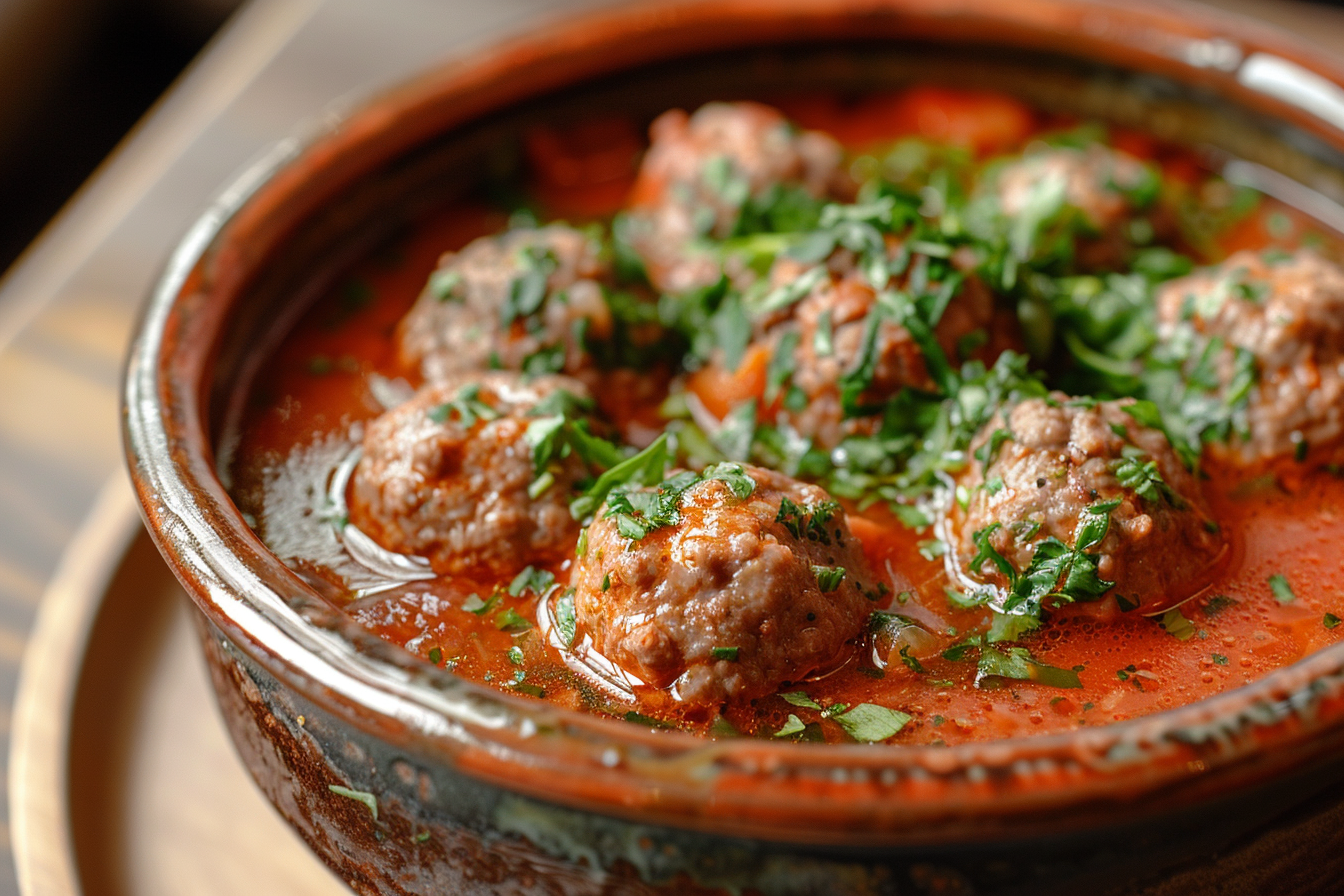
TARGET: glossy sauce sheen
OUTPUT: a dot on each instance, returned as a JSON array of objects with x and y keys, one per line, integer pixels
[{"x": 316, "y": 385}]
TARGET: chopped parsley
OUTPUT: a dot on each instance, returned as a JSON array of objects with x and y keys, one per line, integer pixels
[
  {"x": 727, "y": 654},
  {"x": 528, "y": 288},
  {"x": 360, "y": 796},
  {"x": 510, "y": 620},
  {"x": 1283, "y": 592},
  {"x": 810, "y": 522},
  {"x": 1017, "y": 663},
  {"x": 1176, "y": 625},
  {"x": 566, "y": 621},
  {"x": 828, "y": 577},
  {"x": 798, "y": 698},
  {"x": 793, "y": 725},
  {"x": 466, "y": 408},
  {"x": 870, "y": 723}
]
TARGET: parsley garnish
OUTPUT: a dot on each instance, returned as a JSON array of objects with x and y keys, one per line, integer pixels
[
  {"x": 361, "y": 796},
  {"x": 808, "y": 522},
  {"x": 828, "y": 577},
  {"x": 870, "y": 723},
  {"x": 798, "y": 698},
  {"x": 1017, "y": 663},
  {"x": 728, "y": 654},
  {"x": 527, "y": 290},
  {"x": 1283, "y": 592},
  {"x": 566, "y": 621},
  {"x": 644, "y": 468},
  {"x": 538, "y": 581},
  {"x": 1140, "y": 475},
  {"x": 509, "y": 620},
  {"x": 466, "y": 408},
  {"x": 1176, "y": 625}
]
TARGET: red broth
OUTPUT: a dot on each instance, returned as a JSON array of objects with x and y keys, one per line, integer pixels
[{"x": 316, "y": 386}]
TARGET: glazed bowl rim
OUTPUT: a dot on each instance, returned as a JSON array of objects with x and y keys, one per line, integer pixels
[{"x": 610, "y": 765}]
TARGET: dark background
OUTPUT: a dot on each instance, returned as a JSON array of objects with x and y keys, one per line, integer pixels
[{"x": 77, "y": 76}]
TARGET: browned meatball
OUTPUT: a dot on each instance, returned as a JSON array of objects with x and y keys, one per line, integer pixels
[
  {"x": 522, "y": 300},
  {"x": 446, "y": 476},
  {"x": 741, "y": 593},
  {"x": 1287, "y": 312},
  {"x": 699, "y": 172},
  {"x": 1036, "y": 469},
  {"x": 838, "y": 307},
  {"x": 1109, "y": 188}
]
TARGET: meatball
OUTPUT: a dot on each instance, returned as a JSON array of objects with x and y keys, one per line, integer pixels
[
  {"x": 831, "y": 324},
  {"x": 1108, "y": 188},
  {"x": 523, "y": 300},
  {"x": 752, "y": 583},
  {"x": 1037, "y": 468},
  {"x": 446, "y": 476},
  {"x": 1281, "y": 316},
  {"x": 702, "y": 169}
]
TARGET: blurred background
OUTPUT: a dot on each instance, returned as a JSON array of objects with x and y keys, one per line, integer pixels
[{"x": 77, "y": 75}]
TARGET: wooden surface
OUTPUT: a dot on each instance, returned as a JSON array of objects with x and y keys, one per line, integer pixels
[
  {"x": 117, "y": 710},
  {"x": 68, "y": 307}
]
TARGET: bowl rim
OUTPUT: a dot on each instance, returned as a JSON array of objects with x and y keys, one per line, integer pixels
[{"x": 876, "y": 794}]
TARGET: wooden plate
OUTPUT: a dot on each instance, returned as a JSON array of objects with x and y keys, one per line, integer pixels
[{"x": 124, "y": 780}]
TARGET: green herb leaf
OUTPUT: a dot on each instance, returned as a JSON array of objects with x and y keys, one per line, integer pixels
[
  {"x": 1176, "y": 625},
  {"x": 828, "y": 577},
  {"x": 645, "y": 468},
  {"x": 727, "y": 654},
  {"x": 1017, "y": 663},
  {"x": 738, "y": 481},
  {"x": 362, "y": 796},
  {"x": 1283, "y": 592},
  {"x": 473, "y": 604},
  {"x": 466, "y": 408},
  {"x": 566, "y": 620},
  {"x": 799, "y": 698},
  {"x": 510, "y": 621},
  {"x": 870, "y": 723},
  {"x": 793, "y": 725},
  {"x": 538, "y": 581}
]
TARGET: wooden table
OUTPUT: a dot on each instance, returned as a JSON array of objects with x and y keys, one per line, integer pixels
[{"x": 68, "y": 307}]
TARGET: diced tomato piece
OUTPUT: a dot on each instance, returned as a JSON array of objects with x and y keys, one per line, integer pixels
[{"x": 721, "y": 390}]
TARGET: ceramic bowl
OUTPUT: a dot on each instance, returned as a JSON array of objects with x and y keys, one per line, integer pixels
[{"x": 469, "y": 790}]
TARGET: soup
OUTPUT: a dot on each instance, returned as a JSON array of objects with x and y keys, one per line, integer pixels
[{"x": 921, "y": 418}]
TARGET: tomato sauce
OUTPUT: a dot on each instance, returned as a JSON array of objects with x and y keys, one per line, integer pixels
[{"x": 1277, "y": 600}]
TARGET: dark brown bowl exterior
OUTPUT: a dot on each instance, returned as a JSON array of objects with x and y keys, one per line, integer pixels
[{"x": 442, "y": 785}]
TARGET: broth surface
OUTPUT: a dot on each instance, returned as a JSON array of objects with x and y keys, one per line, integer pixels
[{"x": 1274, "y": 600}]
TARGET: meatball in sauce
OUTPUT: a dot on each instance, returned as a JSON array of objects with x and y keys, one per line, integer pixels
[
  {"x": 525, "y": 300},
  {"x": 1272, "y": 324},
  {"x": 702, "y": 170},
  {"x": 1046, "y": 468},
  {"x": 755, "y": 581},
  {"x": 449, "y": 476}
]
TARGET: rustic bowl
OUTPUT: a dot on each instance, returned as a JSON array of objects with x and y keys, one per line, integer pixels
[{"x": 476, "y": 791}]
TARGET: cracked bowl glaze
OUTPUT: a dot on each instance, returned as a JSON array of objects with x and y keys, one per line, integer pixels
[{"x": 475, "y": 791}]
